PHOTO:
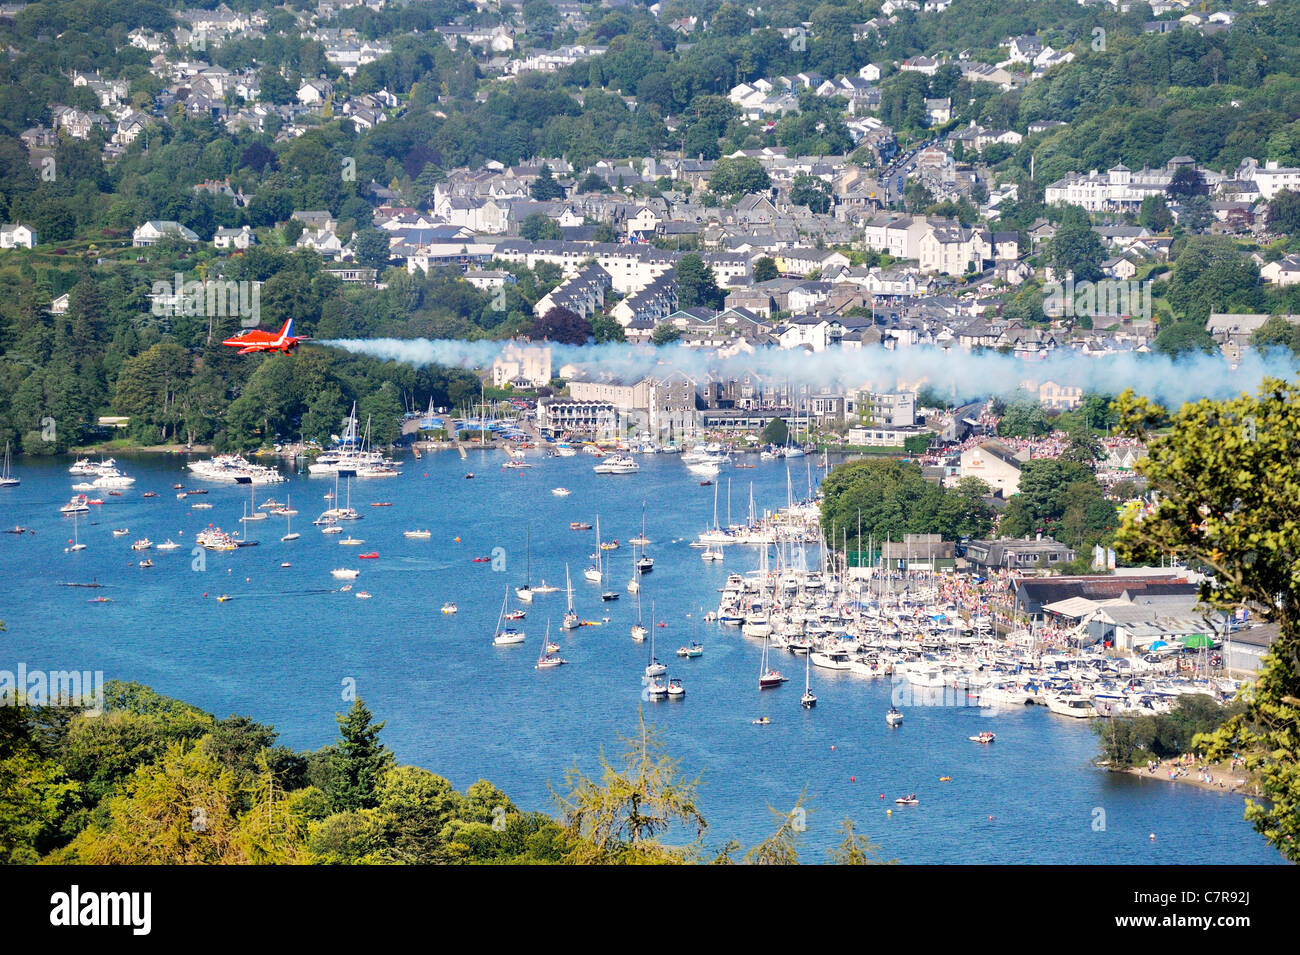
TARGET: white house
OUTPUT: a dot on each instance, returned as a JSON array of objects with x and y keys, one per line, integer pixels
[
  {"x": 155, "y": 229},
  {"x": 240, "y": 238},
  {"x": 16, "y": 236},
  {"x": 315, "y": 92}
]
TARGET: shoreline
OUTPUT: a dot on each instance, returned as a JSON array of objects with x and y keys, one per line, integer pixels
[{"x": 1224, "y": 779}]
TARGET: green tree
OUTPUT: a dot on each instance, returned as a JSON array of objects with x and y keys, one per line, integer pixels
[
  {"x": 775, "y": 431},
  {"x": 371, "y": 248},
  {"x": 738, "y": 176},
  {"x": 1225, "y": 476},
  {"x": 382, "y": 411},
  {"x": 886, "y": 498},
  {"x": 856, "y": 849},
  {"x": 1076, "y": 248},
  {"x": 1277, "y": 332},
  {"x": 606, "y": 329},
  {"x": 1211, "y": 274},
  {"x": 696, "y": 283},
  {"x": 811, "y": 192},
  {"x": 765, "y": 269},
  {"x": 537, "y": 227},
  {"x": 1180, "y": 338},
  {"x": 1154, "y": 214},
  {"x": 1284, "y": 212},
  {"x": 1024, "y": 418},
  {"x": 544, "y": 187},
  {"x": 357, "y": 761},
  {"x": 665, "y": 333},
  {"x": 619, "y": 817}
]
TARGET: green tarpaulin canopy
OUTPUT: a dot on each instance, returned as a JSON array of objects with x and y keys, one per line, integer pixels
[{"x": 1197, "y": 640}]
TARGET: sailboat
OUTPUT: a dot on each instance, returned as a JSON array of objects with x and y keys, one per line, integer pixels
[
  {"x": 654, "y": 667},
  {"x": 253, "y": 514},
  {"x": 76, "y": 541},
  {"x": 525, "y": 593},
  {"x": 646, "y": 563},
  {"x": 768, "y": 677},
  {"x": 638, "y": 629},
  {"x": 550, "y": 653},
  {"x": 606, "y": 594},
  {"x": 808, "y": 700},
  {"x": 594, "y": 573},
  {"x": 7, "y": 479},
  {"x": 571, "y": 621},
  {"x": 289, "y": 534},
  {"x": 634, "y": 585},
  {"x": 549, "y": 656},
  {"x": 506, "y": 635}
]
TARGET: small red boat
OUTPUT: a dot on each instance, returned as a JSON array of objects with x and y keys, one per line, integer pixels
[
  {"x": 149, "y": 494},
  {"x": 482, "y": 560},
  {"x": 373, "y": 555},
  {"x": 515, "y": 615},
  {"x": 381, "y": 504}
]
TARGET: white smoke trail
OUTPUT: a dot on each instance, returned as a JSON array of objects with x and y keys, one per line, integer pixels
[{"x": 957, "y": 373}]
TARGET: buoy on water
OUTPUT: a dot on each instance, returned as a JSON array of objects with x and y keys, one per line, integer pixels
[
  {"x": 889, "y": 812},
  {"x": 853, "y": 779}
]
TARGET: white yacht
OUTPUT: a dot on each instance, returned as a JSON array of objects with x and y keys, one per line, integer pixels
[
  {"x": 235, "y": 469},
  {"x": 617, "y": 464},
  {"x": 1072, "y": 704}
]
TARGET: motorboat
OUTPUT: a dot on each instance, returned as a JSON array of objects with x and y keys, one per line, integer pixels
[
  {"x": 121, "y": 531},
  {"x": 1072, "y": 704},
  {"x": 894, "y": 717},
  {"x": 345, "y": 573},
  {"x": 655, "y": 689},
  {"x": 449, "y": 608},
  {"x": 675, "y": 689},
  {"x": 984, "y": 737},
  {"x": 561, "y": 491},
  {"x": 617, "y": 464},
  {"x": 168, "y": 544},
  {"x": 79, "y": 504},
  {"x": 143, "y": 543},
  {"x": 909, "y": 800},
  {"x": 417, "y": 535}
]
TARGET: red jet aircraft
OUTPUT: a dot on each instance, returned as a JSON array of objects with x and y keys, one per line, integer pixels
[{"x": 255, "y": 340}]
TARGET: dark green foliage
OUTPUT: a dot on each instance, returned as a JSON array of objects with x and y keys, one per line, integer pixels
[
  {"x": 358, "y": 761},
  {"x": 696, "y": 284},
  {"x": 892, "y": 499},
  {"x": 775, "y": 431},
  {"x": 1133, "y": 740}
]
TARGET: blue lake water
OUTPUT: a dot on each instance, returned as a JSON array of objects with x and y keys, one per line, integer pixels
[{"x": 285, "y": 646}]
